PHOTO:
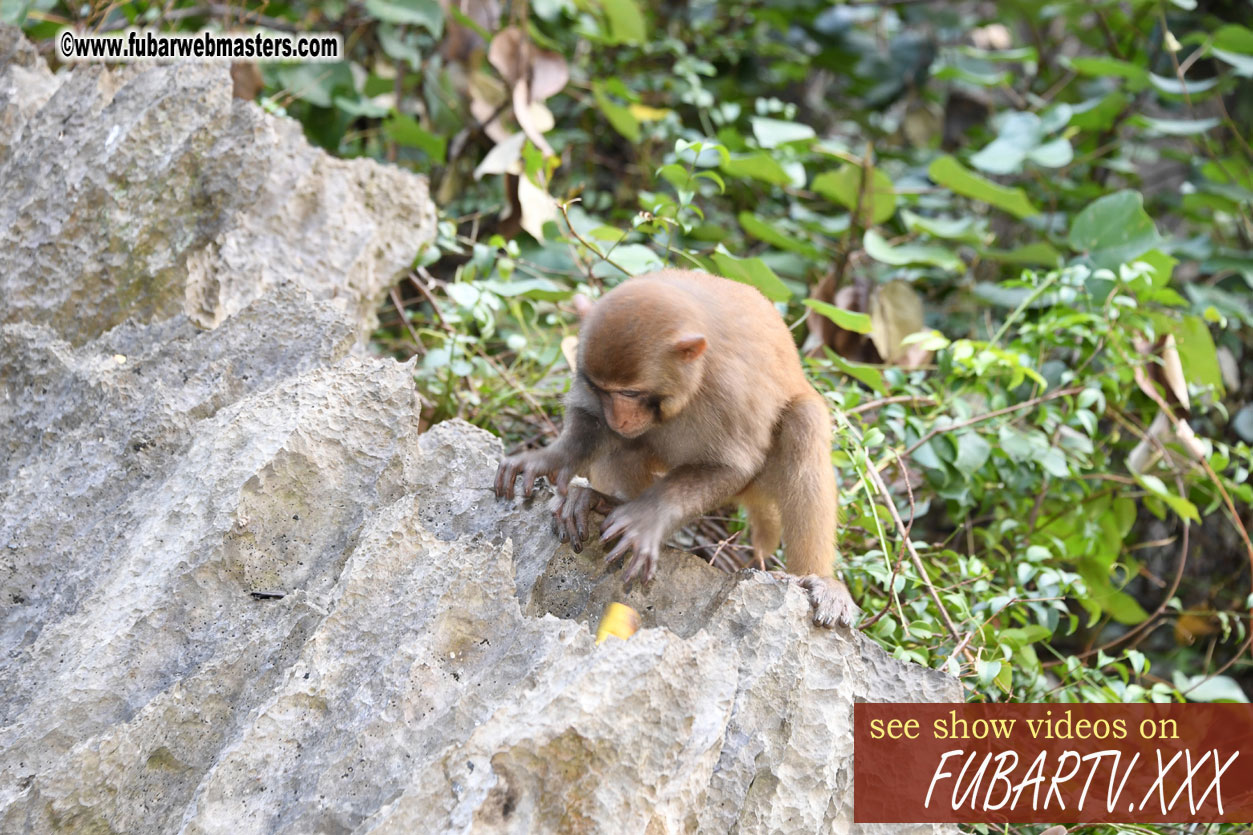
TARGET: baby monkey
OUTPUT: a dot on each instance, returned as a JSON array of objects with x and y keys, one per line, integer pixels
[{"x": 689, "y": 393}]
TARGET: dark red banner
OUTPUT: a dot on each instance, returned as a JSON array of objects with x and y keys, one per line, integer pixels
[{"x": 1052, "y": 763}]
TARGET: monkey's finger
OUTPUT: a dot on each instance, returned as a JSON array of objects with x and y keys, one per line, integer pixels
[
  {"x": 500, "y": 480},
  {"x": 650, "y": 567},
  {"x": 641, "y": 566},
  {"x": 528, "y": 483},
  {"x": 611, "y": 527},
  {"x": 571, "y": 531},
  {"x": 618, "y": 551},
  {"x": 632, "y": 566}
]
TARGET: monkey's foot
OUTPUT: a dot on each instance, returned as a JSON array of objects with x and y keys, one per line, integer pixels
[
  {"x": 831, "y": 601},
  {"x": 830, "y": 598},
  {"x": 571, "y": 510}
]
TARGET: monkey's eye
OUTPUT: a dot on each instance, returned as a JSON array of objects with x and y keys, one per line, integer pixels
[{"x": 631, "y": 394}]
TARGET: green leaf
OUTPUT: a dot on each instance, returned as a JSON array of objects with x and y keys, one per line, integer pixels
[
  {"x": 1020, "y": 445},
  {"x": 1105, "y": 67},
  {"x": 1099, "y": 113},
  {"x": 1173, "y": 86},
  {"x": 1124, "y": 608},
  {"x": 966, "y": 230},
  {"x": 847, "y": 319},
  {"x": 1242, "y": 423},
  {"x": 763, "y": 231},
  {"x": 1114, "y": 229},
  {"x": 360, "y": 107},
  {"x": 1102, "y": 595},
  {"x": 316, "y": 83},
  {"x": 1233, "y": 38},
  {"x": 972, "y": 453},
  {"x": 626, "y": 21},
  {"x": 1197, "y": 354},
  {"x": 754, "y": 272},
  {"x": 1018, "y": 134},
  {"x": 1053, "y": 462},
  {"x": 878, "y": 202},
  {"x": 1040, "y": 253},
  {"x": 620, "y": 117},
  {"x": 1055, "y": 154},
  {"x": 1163, "y": 266},
  {"x": 759, "y": 166},
  {"x": 869, "y": 375},
  {"x": 948, "y": 172},
  {"x": 405, "y": 130},
  {"x": 424, "y": 13},
  {"x": 1175, "y": 127},
  {"x": 1242, "y": 64},
  {"x": 1234, "y": 44},
  {"x": 635, "y": 259},
  {"x": 1203, "y": 688},
  {"x": 1179, "y": 504},
  {"x": 771, "y": 133},
  {"x": 541, "y": 289},
  {"x": 905, "y": 254}
]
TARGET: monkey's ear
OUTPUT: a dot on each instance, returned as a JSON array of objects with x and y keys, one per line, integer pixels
[{"x": 690, "y": 346}]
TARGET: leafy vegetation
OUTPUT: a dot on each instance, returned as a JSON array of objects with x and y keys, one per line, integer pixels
[{"x": 1028, "y": 236}]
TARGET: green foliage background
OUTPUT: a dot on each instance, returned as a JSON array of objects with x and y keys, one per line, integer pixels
[{"x": 1064, "y": 187}]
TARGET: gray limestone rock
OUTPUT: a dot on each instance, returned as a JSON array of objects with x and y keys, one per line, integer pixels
[{"x": 149, "y": 191}]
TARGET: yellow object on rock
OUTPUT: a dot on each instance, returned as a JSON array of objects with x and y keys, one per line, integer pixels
[{"x": 619, "y": 620}]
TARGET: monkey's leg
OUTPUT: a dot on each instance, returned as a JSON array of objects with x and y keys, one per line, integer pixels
[
  {"x": 765, "y": 523},
  {"x": 644, "y": 523},
  {"x": 799, "y": 475}
]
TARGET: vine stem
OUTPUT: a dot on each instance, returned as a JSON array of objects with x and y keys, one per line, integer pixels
[{"x": 916, "y": 558}]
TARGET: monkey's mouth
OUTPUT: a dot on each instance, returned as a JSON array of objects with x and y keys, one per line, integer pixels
[{"x": 629, "y": 434}]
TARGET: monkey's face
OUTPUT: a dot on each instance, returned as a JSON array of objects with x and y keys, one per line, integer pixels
[
  {"x": 630, "y": 412},
  {"x": 642, "y": 353},
  {"x": 635, "y": 397}
]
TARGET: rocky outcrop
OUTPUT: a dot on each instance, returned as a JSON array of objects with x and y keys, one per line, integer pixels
[
  {"x": 239, "y": 591},
  {"x": 149, "y": 191}
]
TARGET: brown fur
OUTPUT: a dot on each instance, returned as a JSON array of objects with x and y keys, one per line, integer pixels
[{"x": 690, "y": 393}]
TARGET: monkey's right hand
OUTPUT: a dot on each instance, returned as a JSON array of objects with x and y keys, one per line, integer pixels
[
  {"x": 531, "y": 465},
  {"x": 571, "y": 510}
]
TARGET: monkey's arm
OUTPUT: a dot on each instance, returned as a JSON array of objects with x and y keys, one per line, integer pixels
[
  {"x": 559, "y": 462},
  {"x": 645, "y": 522}
]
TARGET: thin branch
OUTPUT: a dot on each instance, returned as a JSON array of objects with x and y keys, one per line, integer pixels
[
  {"x": 914, "y": 556},
  {"x": 563, "y": 206},
  {"x": 962, "y": 424},
  {"x": 911, "y": 399}
]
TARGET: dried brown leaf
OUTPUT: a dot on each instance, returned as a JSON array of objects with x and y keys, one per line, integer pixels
[{"x": 895, "y": 313}]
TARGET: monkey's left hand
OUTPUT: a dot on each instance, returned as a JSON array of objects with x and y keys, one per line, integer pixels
[{"x": 641, "y": 529}]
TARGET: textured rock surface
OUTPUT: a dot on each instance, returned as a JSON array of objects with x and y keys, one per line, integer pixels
[
  {"x": 240, "y": 593},
  {"x": 148, "y": 191}
]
